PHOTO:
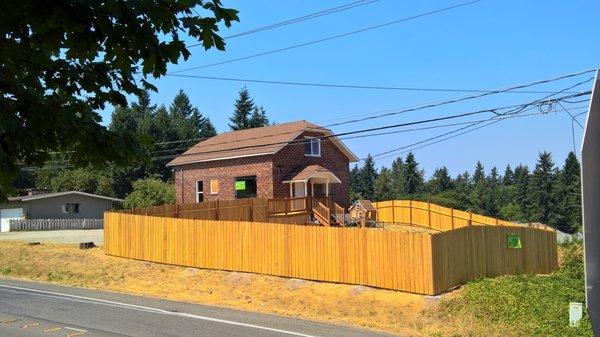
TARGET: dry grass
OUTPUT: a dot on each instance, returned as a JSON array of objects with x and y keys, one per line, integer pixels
[{"x": 386, "y": 310}]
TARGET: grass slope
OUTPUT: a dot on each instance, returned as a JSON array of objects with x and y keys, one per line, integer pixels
[{"x": 524, "y": 305}]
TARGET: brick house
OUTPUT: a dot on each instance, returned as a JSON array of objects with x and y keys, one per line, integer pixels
[{"x": 278, "y": 161}]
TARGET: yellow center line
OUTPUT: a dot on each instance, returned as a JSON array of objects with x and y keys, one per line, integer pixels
[
  {"x": 76, "y": 334},
  {"x": 52, "y": 329},
  {"x": 29, "y": 325},
  {"x": 11, "y": 321}
]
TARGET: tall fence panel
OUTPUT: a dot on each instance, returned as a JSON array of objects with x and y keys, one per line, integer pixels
[
  {"x": 424, "y": 214},
  {"x": 392, "y": 260},
  {"x": 482, "y": 251},
  {"x": 53, "y": 224}
]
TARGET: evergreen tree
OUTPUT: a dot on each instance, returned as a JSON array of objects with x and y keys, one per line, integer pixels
[
  {"x": 492, "y": 195},
  {"x": 440, "y": 181},
  {"x": 479, "y": 174},
  {"x": 542, "y": 189},
  {"x": 569, "y": 195},
  {"x": 187, "y": 121},
  {"x": 244, "y": 106},
  {"x": 383, "y": 186},
  {"x": 508, "y": 178},
  {"x": 522, "y": 190},
  {"x": 413, "y": 181},
  {"x": 462, "y": 191},
  {"x": 355, "y": 187},
  {"x": 258, "y": 118},
  {"x": 368, "y": 175},
  {"x": 397, "y": 178}
]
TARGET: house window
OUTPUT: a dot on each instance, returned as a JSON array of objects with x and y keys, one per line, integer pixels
[
  {"x": 245, "y": 187},
  {"x": 199, "y": 191},
  {"x": 214, "y": 186},
  {"x": 312, "y": 147},
  {"x": 71, "y": 208}
]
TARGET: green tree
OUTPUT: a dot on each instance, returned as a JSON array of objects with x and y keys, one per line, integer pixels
[
  {"x": 244, "y": 106},
  {"x": 413, "y": 181},
  {"x": 397, "y": 178},
  {"x": 187, "y": 121},
  {"x": 355, "y": 188},
  {"x": 569, "y": 196},
  {"x": 63, "y": 61},
  {"x": 150, "y": 192},
  {"x": 542, "y": 188},
  {"x": 508, "y": 178},
  {"x": 367, "y": 177},
  {"x": 383, "y": 186},
  {"x": 440, "y": 181},
  {"x": 258, "y": 118}
]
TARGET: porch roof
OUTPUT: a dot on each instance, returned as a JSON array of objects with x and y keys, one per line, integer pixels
[{"x": 312, "y": 171}]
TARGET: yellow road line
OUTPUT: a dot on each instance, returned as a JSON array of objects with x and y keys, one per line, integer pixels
[
  {"x": 52, "y": 329},
  {"x": 11, "y": 321},
  {"x": 76, "y": 334},
  {"x": 29, "y": 325}
]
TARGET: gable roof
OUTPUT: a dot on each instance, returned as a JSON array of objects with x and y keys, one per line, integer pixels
[
  {"x": 26, "y": 198},
  {"x": 253, "y": 142},
  {"x": 309, "y": 172}
]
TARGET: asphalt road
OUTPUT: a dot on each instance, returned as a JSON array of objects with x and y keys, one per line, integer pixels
[{"x": 38, "y": 309}]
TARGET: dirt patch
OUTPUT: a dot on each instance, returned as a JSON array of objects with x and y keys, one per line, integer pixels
[
  {"x": 387, "y": 310},
  {"x": 407, "y": 228}
]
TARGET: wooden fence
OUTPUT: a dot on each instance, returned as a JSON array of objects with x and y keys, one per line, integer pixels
[
  {"x": 425, "y": 214},
  {"x": 53, "y": 224},
  {"x": 414, "y": 262},
  {"x": 290, "y": 210}
]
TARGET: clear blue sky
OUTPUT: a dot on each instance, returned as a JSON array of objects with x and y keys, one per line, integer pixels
[{"x": 486, "y": 45}]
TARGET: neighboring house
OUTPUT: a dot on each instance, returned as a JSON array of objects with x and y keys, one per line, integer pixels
[
  {"x": 279, "y": 161},
  {"x": 59, "y": 205}
]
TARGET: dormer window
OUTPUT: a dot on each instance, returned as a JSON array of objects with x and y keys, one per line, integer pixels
[{"x": 312, "y": 147}]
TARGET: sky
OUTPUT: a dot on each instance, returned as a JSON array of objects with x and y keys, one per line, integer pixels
[{"x": 485, "y": 45}]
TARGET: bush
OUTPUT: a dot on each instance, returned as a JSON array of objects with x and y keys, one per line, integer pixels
[{"x": 149, "y": 192}]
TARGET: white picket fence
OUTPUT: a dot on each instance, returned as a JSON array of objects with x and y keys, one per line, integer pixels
[{"x": 54, "y": 224}]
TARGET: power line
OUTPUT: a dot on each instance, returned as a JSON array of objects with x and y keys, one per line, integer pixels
[
  {"x": 437, "y": 104},
  {"x": 348, "y": 86},
  {"x": 524, "y": 105},
  {"x": 441, "y": 103},
  {"x": 545, "y": 100},
  {"x": 297, "y": 20},
  {"x": 330, "y": 37},
  {"x": 474, "y": 97}
]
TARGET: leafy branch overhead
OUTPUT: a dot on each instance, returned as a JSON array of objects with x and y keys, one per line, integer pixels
[{"x": 62, "y": 61}]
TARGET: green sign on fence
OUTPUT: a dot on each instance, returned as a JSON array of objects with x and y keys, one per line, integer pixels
[
  {"x": 240, "y": 185},
  {"x": 513, "y": 241}
]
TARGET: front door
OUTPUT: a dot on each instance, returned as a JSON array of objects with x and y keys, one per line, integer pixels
[{"x": 299, "y": 191}]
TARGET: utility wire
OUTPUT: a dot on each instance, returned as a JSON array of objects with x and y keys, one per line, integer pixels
[
  {"x": 297, "y": 20},
  {"x": 546, "y": 101},
  {"x": 570, "y": 114},
  {"x": 349, "y": 86},
  {"x": 442, "y": 103},
  {"x": 330, "y": 37}
]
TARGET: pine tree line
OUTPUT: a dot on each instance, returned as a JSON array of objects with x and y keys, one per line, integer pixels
[
  {"x": 163, "y": 132},
  {"x": 548, "y": 194}
]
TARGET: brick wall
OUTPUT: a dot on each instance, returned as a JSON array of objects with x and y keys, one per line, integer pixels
[
  {"x": 292, "y": 159},
  {"x": 225, "y": 171},
  {"x": 269, "y": 171}
]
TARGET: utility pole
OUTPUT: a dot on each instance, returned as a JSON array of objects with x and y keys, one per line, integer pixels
[{"x": 590, "y": 191}]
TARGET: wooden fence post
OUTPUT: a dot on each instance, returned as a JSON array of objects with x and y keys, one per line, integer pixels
[
  {"x": 410, "y": 212},
  {"x": 217, "y": 210},
  {"x": 393, "y": 213},
  {"x": 429, "y": 214},
  {"x": 470, "y": 217},
  {"x": 452, "y": 216},
  {"x": 252, "y": 210},
  {"x": 177, "y": 210}
]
